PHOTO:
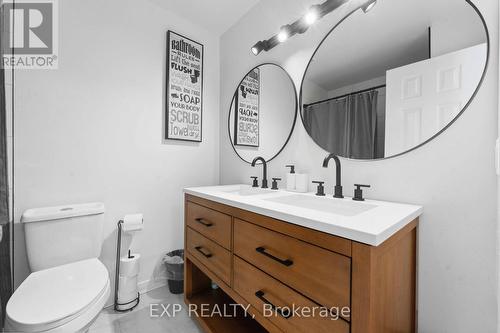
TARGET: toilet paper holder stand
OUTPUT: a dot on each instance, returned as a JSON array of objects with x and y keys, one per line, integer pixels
[{"x": 117, "y": 275}]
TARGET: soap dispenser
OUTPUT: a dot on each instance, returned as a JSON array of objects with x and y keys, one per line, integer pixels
[{"x": 290, "y": 178}]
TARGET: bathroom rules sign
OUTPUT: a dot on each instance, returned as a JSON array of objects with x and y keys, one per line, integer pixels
[
  {"x": 246, "y": 127},
  {"x": 184, "y": 88}
]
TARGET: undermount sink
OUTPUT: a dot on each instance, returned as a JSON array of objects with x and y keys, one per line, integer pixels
[
  {"x": 246, "y": 191},
  {"x": 327, "y": 205}
]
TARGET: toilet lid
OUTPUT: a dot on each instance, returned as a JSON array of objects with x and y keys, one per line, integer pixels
[{"x": 58, "y": 293}]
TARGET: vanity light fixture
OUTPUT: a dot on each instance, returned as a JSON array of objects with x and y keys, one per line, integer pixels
[
  {"x": 300, "y": 26},
  {"x": 368, "y": 6}
]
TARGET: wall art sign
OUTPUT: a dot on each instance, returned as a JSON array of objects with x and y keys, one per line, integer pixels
[
  {"x": 246, "y": 124},
  {"x": 184, "y": 88}
]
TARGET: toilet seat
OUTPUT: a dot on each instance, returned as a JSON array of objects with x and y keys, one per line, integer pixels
[{"x": 56, "y": 297}]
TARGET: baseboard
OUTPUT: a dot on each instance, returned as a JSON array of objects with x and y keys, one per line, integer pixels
[
  {"x": 144, "y": 287},
  {"x": 148, "y": 285}
]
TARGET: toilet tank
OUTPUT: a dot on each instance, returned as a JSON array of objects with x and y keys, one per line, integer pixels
[{"x": 64, "y": 234}]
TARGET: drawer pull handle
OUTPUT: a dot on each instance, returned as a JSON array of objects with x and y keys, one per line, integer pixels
[
  {"x": 285, "y": 262},
  {"x": 284, "y": 313},
  {"x": 206, "y": 254},
  {"x": 204, "y": 222}
]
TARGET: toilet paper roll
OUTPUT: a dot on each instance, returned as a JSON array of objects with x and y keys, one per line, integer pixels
[
  {"x": 130, "y": 266},
  {"x": 124, "y": 297},
  {"x": 127, "y": 290},
  {"x": 133, "y": 222},
  {"x": 127, "y": 283}
]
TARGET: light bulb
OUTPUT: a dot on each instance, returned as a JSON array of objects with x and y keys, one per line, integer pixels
[
  {"x": 259, "y": 47},
  {"x": 311, "y": 16},
  {"x": 283, "y": 35}
]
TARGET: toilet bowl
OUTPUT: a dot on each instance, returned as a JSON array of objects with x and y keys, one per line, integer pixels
[{"x": 64, "y": 298}]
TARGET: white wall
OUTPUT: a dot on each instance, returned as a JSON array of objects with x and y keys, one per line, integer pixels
[
  {"x": 92, "y": 130},
  {"x": 453, "y": 177},
  {"x": 313, "y": 92},
  {"x": 357, "y": 87},
  {"x": 455, "y": 34}
]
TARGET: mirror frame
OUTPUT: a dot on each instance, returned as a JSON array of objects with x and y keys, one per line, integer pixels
[
  {"x": 466, "y": 106},
  {"x": 294, "y": 117}
]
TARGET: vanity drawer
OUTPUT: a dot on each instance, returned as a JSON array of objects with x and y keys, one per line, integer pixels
[
  {"x": 259, "y": 289},
  {"x": 210, "y": 223},
  {"x": 210, "y": 254},
  {"x": 321, "y": 275}
]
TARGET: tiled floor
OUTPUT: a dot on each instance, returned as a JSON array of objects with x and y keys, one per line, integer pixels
[{"x": 140, "y": 321}]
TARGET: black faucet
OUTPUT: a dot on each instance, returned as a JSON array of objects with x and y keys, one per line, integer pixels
[
  {"x": 264, "y": 165},
  {"x": 338, "y": 186}
]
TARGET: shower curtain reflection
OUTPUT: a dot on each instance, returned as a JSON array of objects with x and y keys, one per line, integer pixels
[
  {"x": 346, "y": 126},
  {"x": 328, "y": 124}
]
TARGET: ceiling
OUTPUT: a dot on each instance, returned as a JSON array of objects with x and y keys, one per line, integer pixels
[
  {"x": 394, "y": 33},
  {"x": 217, "y": 16}
]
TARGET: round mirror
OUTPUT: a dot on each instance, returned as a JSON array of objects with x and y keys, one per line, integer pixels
[
  {"x": 393, "y": 75},
  {"x": 263, "y": 113}
]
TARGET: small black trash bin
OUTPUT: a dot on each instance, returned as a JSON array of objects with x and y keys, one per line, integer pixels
[{"x": 174, "y": 262}]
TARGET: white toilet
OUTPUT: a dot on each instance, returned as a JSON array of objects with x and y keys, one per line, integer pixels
[{"x": 68, "y": 286}]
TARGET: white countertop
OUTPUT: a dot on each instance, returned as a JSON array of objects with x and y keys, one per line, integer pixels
[{"x": 374, "y": 226}]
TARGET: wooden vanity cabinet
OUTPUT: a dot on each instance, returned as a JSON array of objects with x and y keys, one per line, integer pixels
[{"x": 257, "y": 260}]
